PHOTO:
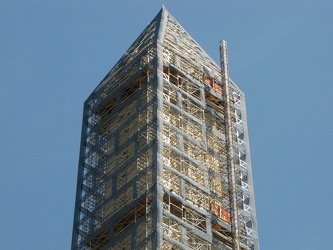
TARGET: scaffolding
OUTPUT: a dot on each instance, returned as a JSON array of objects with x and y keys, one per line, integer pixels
[{"x": 164, "y": 160}]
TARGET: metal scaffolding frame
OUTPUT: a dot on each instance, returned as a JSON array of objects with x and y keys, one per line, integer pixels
[{"x": 164, "y": 160}]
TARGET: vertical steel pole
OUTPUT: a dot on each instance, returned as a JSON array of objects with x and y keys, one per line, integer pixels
[{"x": 229, "y": 145}]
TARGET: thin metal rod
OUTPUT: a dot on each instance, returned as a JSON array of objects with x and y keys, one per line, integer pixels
[{"x": 229, "y": 144}]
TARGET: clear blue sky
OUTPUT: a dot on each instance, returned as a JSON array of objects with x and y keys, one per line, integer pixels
[{"x": 54, "y": 53}]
